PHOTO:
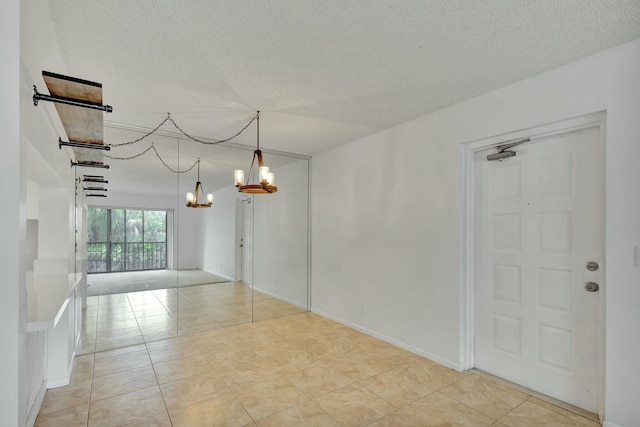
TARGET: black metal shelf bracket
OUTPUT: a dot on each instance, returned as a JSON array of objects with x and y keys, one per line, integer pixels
[
  {"x": 62, "y": 143},
  {"x": 89, "y": 165},
  {"x": 96, "y": 179},
  {"x": 37, "y": 96}
]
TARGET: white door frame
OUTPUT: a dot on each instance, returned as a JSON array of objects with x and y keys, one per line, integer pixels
[{"x": 467, "y": 243}]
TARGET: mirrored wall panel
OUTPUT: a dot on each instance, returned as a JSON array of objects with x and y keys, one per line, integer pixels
[{"x": 175, "y": 247}]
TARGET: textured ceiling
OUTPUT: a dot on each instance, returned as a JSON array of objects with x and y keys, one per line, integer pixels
[{"x": 323, "y": 73}]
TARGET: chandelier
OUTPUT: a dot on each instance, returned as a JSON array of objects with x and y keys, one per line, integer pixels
[
  {"x": 266, "y": 184},
  {"x": 192, "y": 198}
]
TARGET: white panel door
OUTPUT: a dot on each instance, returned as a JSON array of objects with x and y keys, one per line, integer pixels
[{"x": 540, "y": 224}]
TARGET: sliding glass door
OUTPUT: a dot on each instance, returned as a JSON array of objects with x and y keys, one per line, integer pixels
[{"x": 126, "y": 240}]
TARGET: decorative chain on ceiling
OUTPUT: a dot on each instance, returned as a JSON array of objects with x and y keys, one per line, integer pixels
[{"x": 152, "y": 147}]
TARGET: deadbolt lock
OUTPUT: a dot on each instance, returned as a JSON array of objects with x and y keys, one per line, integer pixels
[
  {"x": 592, "y": 287},
  {"x": 592, "y": 266}
]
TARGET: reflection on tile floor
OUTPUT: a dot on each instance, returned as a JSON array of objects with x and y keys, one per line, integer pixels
[
  {"x": 120, "y": 320},
  {"x": 297, "y": 370}
]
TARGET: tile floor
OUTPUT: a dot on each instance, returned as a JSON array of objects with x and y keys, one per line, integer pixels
[
  {"x": 119, "y": 320},
  {"x": 296, "y": 370}
]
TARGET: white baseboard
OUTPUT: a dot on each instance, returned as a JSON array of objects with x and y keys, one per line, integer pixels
[
  {"x": 412, "y": 349},
  {"x": 37, "y": 404},
  {"x": 281, "y": 298},
  {"x": 61, "y": 382},
  {"x": 608, "y": 424}
]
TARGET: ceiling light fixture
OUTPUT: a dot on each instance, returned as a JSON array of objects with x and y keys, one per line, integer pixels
[
  {"x": 267, "y": 179},
  {"x": 192, "y": 198}
]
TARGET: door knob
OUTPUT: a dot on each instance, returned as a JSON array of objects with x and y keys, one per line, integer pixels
[
  {"x": 592, "y": 287},
  {"x": 592, "y": 266}
]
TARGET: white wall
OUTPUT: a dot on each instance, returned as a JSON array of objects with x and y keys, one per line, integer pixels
[
  {"x": 23, "y": 55},
  {"x": 11, "y": 216},
  {"x": 281, "y": 234},
  {"x": 219, "y": 233},
  {"x": 386, "y": 215},
  {"x": 187, "y": 222}
]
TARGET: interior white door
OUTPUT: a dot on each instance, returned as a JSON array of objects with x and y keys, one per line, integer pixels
[
  {"x": 540, "y": 223},
  {"x": 246, "y": 242}
]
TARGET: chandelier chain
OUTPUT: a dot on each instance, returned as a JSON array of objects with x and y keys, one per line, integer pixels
[
  {"x": 152, "y": 147},
  {"x": 170, "y": 119},
  {"x": 151, "y": 132},
  {"x": 215, "y": 141}
]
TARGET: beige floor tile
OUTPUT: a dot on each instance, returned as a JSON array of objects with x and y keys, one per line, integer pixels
[
  {"x": 223, "y": 410},
  {"x": 121, "y": 351},
  {"x": 57, "y": 399},
  {"x": 116, "y": 324},
  {"x": 146, "y": 311},
  {"x": 246, "y": 376},
  {"x": 157, "y": 320},
  {"x": 111, "y": 362},
  {"x": 123, "y": 382},
  {"x": 232, "y": 319},
  {"x": 157, "y": 421},
  {"x": 199, "y": 325},
  {"x": 213, "y": 343},
  {"x": 308, "y": 414},
  {"x": 436, "y": 409},
  {"x": 111, "y": 299},
  {"x": 145, "y": 304},
  {"x": 252, "y": 331},
  {"x": 397, "y": 419},
  {"x": 231, "y": 358},
  {"x": 72, "y": 417},
  {"x": 82, "y": 368},
  {"x": 269, "y": 397},
  {"x": 432, "y": 374},
  {"x": 531, "y": 414},
  {"x": 488, "y": 397},
  {"x": 263, "y": 314},
  {"x": 209, "y": 334},
  {"x": 192, "y": 390},
  {"x": 158, "y": 326},
  {"x": 127, "y": 408},
  {"x": 358, "y": 366},
  {"x": 288, "y": 361},
  {"x": 184, "y": 367},
  {"x": 158, "y": 336},
  {"x": 396, "y": 388},
  {"x": 117, "y": 334},
  {"x": 173, "y": 348},
  {"x": 266, "y": 345},
  {"x": 354, "y": 405},
  {"x": 119, "y": 343},
  {"x": 318, "y": 379},
  {"x": 114, "y": 311}
]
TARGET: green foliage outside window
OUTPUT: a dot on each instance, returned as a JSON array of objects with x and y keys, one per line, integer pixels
[{"x": 126, "y": 239}]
